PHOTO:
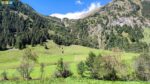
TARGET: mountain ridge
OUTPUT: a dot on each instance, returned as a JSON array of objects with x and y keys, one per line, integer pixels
[
  {"x": 123, "y": 14},
  {"x": 117, "y": 24}
]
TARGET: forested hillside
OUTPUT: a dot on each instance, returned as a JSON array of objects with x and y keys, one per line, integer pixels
[
  {"x": 118, "y": 24},
  {"x": 21, "y": 25}
]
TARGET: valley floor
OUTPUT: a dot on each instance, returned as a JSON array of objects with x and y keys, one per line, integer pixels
[{"x": 10, "y": 60}]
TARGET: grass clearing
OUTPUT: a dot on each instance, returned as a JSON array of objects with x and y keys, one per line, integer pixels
[{"x": 10, "y": 60}]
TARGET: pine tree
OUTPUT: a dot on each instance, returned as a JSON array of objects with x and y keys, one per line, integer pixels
[{"x": 81, "y": 68}]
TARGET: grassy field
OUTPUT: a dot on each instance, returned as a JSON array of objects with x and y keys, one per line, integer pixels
[
  {"x": 72, "y": 81},
  {"x": 10, "y": 60}
]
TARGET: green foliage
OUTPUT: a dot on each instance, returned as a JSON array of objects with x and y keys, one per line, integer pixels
[
  {"x": 4, "y": 75},
  {"x": 90, "y": 63},
  {"x": 81, "y": 68},
  {"x": 90, "y": 60},
  {"x": 109, "y": 68},
  {"x": 127, "y": 38},
  {"x": 27, "y": 64},
  {"x": 142, "y": 67},
  {"x": 62, "y": 70},
  {"x": 42, "y": 66},
  {"x": 19, "y": 29},
  {"x": 20, "y": 25}
]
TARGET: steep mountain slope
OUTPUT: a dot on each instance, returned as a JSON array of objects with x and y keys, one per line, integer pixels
[
  {"x": 21, "y": 25},
  {"x": 146, "y": 8},
  {"x": 118, "y": 24}
]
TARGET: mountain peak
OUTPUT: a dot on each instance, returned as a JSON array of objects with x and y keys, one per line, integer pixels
[{"x": 125, "y": 7}]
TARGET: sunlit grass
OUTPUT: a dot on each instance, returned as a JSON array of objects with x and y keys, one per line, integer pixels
[{"x": 10, "y": 59}]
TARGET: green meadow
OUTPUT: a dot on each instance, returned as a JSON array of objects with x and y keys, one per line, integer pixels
[
  {"x": 10, "y": 60},
  {"x": 72, "y": 81}
]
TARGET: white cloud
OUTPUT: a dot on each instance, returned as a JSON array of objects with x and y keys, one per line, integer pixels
[
  {"x": 94, "y": 6},
  {"x": 80, "y": 14},
  {"x": 79, "y": 2}
]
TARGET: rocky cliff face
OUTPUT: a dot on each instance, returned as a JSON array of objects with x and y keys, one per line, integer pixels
[
  {"x": 124, "y": 12},
  {"x": 118, "y": 21}
]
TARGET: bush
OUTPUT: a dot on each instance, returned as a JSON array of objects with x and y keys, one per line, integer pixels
[
  {"x": 62, "y": 70},
  {"x": 42, "y": 66},
  {"x": 4, "y": 75},
  {"x": 27, "y": 64},
  {"x": 90, "y": 63},
  {"x": 108, "y": 68},
  {"x": 142, "y": 67},
  {"x": 81, "y": 68}
]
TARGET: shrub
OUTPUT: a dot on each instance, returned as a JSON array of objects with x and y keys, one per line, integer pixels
[
  {"x": 62, "y": 70},
  {"x": 142, "y": 67},
  {"x": 90, "y": 63},
  {"x": 46, "y": 47},
  {"x": 4, "y": 75},
  {"x": 81, "y": 68},
  {"x": 27, "y": 64},
  {"x": 108, "y": 68},
  {"x": 42, "y": 66}
]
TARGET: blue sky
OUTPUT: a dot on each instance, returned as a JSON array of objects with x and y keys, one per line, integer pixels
[{"x": 49, "y": 7}]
